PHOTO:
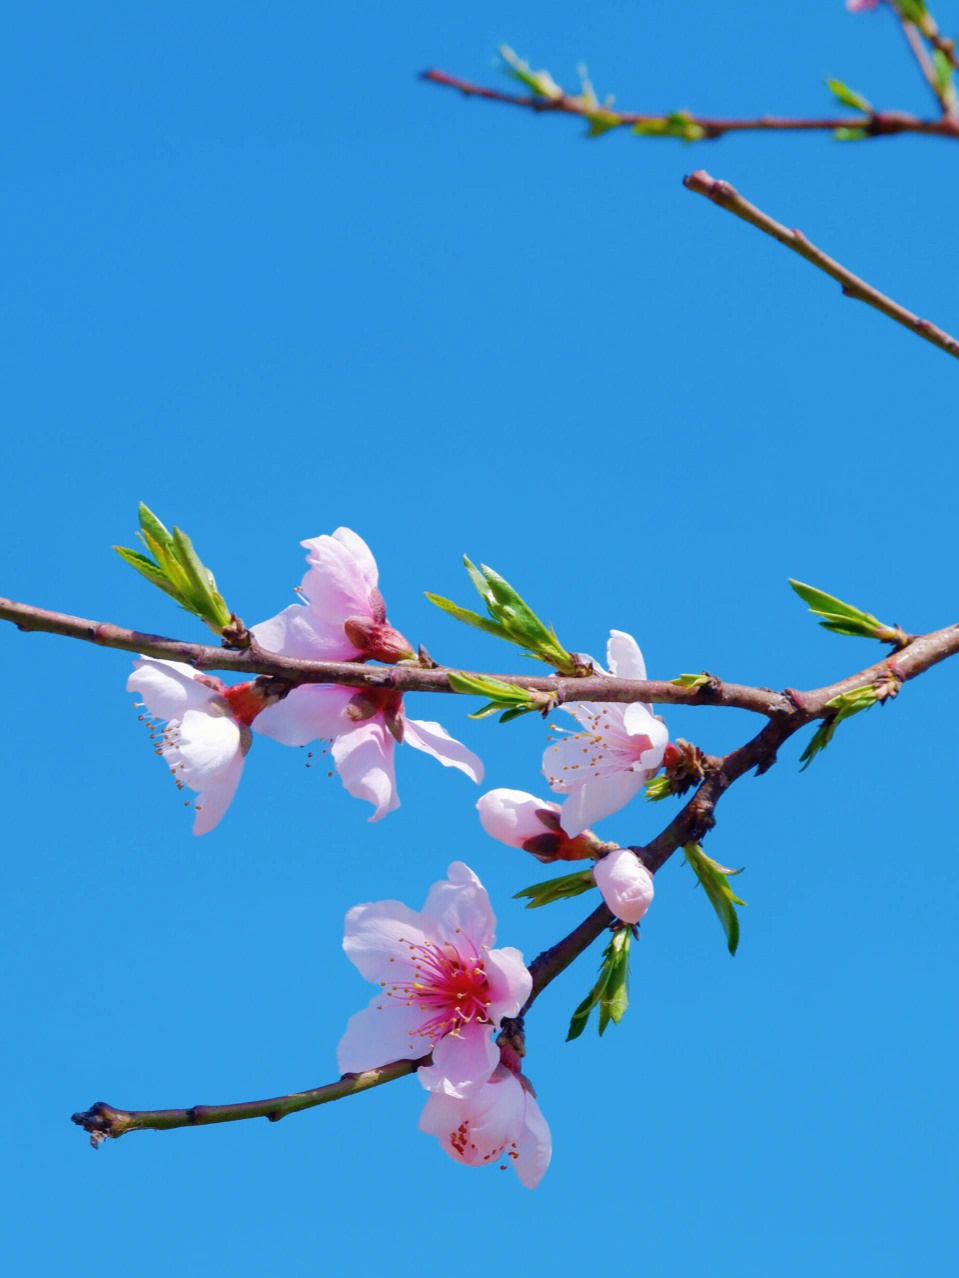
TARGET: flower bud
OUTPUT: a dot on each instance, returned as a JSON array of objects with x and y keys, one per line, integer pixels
[
  {"x": 626, "y": 884},
  {"x": 523, "y": 821},
  {"x": 377, "y": 640}
]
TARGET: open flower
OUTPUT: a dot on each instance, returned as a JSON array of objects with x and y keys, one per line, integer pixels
[
  {"x": 500, "y": 1119},
  {"x": 344, "y": 619},
  {"x": 602, "y": 768},
  {"x": 523, "y": 821},
  {"x": 207, "y": 730},
  {"x": 626, "y": 884},
  {"x": 364, "y": 726},
  {"x": 343, "y": 616},
  {"x": 443, "y": 988}
]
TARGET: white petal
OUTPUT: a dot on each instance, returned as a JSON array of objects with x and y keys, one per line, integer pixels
[
  {"x": 433, "y": 739},
  {"x": 299, "y": 631},
  {"x": 203, "y": 745},
  {"x": 624, "y": 657},
  {"x": 510, "y": 815},
  {"x": 477, "y": 1130},
  {"x": 168, "y": 688},
  {"x": 217, "y": 795},
  {"x": 459, "y": 909},
  {"x": 462, "y": 1062},
  {"x": 638, "y": 722},
  {"x": 361, "y": 554},
  {"x": 378, "y": 936},
  {"x": 510, "y": 982},
  {"x": 534, "y": 1147},
  {"x": 597, "y": 798},
  {"x": 364, "y": 760},
  {"x": 306, "y": 714},
  {"x": 383, "y": 1032}
]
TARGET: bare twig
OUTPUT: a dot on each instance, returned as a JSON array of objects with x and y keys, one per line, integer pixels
[
  {"x": 727, "y": 197},
  {"x": 945, "y": 95},
  {"x": 103, "y": 1122},
  {"x": 701, "y": 128}
]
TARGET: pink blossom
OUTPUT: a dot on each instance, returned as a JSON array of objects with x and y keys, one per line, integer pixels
[
  {"x": 364, "y": 726},
  {"x": 858, "y": 6},
  {"x": 207, "y": 732},
  {"x": 443, "y": 988},
  {"x": 501, "y": 1118},
  {"x": 344, "y": 619},
  {"x": 343, "y": 616},
  {"x": 602, "y": 768},
  {"x": 523, "y": 821},
  {"x": 626, "y": 884}
]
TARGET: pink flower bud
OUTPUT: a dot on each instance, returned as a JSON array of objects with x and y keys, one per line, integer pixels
[
  {"x": 626, "y": 884},
  {"x": 523, "y": 821}
]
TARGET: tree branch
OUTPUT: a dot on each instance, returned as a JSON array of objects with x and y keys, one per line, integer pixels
[
  {"x": 697, "y": 127},
  {"x": 103, "y": 1122},
  {"x": 944, "y": 95},
  {"x": 728, "y": 198}
]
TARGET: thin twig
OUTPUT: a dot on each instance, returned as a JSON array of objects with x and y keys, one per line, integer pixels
[
  {"x": 727, "y": 197},
  {"x": 701, "y": 128},
  {"x": 944, "y": 95}
]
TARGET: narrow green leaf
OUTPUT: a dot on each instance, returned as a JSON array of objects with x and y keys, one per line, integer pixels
[
  {"x": 691, "y": 680},
  {"x": 558, "y": 889},
  {"x": 842, "y": 618},
  {"x": 848, "y": 97},
  {"x": 147, "y": 567},
  {"x": 850, "y": 135},
  {"x": 658, "y": 788},
  {"x": 610, "y": 993},
  {"x": 846, "y": 705},
  {"x": 167, "y": 561},
  {"x": 150, "y": 524},
  {"x": 715, "y": 882},
  {"x": 540, "y": 82},
  {"x": 464, "y": 614}
]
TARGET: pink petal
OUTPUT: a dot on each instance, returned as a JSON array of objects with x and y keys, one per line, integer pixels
[
  {"x": 202, "y": 745},
  {"x": 510, "y": 982},
  {"x": 341, "y": 576},
  {"x": 306, "y": 714},
  {"x": 462, "y": 1062},
  {"x": 299, "y": 631},
  {"x": 364, "y": 760},
  {"x": 626, "y": 884},
  {"x": 378, "y": 935},
  {"x": 638, "y": 722},
  {"x": 477, "y": 1130},
  {"x": 383, "y": 1032},
  {"x": 459, "y": 909},
  {"x": 534, "y": 1147},
  {"x": 598, "y": 797},
  {"x": 361, "y": 555},
  {"x": 510, "y": 815},
  {"x": 624, "y": 657},
  {"x": 433, "y": 739},
  {"x": 169, "y": 688}
]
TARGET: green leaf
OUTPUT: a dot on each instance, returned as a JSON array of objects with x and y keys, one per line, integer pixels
[
  {"x": 715, "y": 881},
  {"x": 208, "y": 603},
  {"x": 943, "y": 70},
  {"x": 511, "y": 618},
  {"x": 914, "y": 10},
  {"x": 658, "y": 788},
  {"x": 464, "y": 614},
  {"x": 559, "y": 889},
  {"x": 147, "y": 567},
  {"x": 842, "y": 618},
  {"x": 151, "y": 525},
  {"x": 507, "y": 697},
  {"x": 691, "y": 680},
  {"x": 848, "y": 97},
  {"x": 540, "y": 82},
  {"x": 850, "y": 135},
  {"x": 611, "y": 991},
  {"x": 176, "y": 569},
  {"x": 846, "y": 704},
  {"x": 679, "y": 124}
]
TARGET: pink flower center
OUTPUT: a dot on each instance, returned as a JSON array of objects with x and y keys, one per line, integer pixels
[{"x": 449, "y": 986}]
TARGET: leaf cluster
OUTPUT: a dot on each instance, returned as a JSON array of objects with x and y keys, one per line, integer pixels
[
  {"x": 715, "y": 881},
  {"x": 611, "y": 991}
]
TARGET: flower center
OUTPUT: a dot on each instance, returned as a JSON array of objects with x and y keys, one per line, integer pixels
[{"x": 448, "y": 985}]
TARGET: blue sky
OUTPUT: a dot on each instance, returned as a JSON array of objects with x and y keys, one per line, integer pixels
[{"x": 262, "y": 278}]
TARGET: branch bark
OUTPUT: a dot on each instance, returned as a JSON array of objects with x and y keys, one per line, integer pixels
[
  {"x": 872, "y": 125},
  {"x": 728, "y": 198}
]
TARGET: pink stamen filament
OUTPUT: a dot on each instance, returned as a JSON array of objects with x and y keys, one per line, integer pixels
[{"x": 451, "y": 985}]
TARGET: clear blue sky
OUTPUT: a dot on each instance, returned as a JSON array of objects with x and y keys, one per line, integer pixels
[{"x": 259, "y": 276}]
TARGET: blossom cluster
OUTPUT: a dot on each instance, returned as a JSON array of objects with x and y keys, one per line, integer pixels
[{"x": 445, "y": 991}]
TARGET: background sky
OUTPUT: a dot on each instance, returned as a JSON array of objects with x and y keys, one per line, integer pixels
[{"x": 259, "y": 276}]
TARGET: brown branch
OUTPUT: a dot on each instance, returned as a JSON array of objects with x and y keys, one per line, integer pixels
[
  {"x": 103, "y": 1122},
  {"x": 728, "y": 198},
  {"x": 944, "y": 95},
  {"x": 691, "y": 824},
  {"x": 874, "y": 124},
  {"x": 256, "y": 661}
]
